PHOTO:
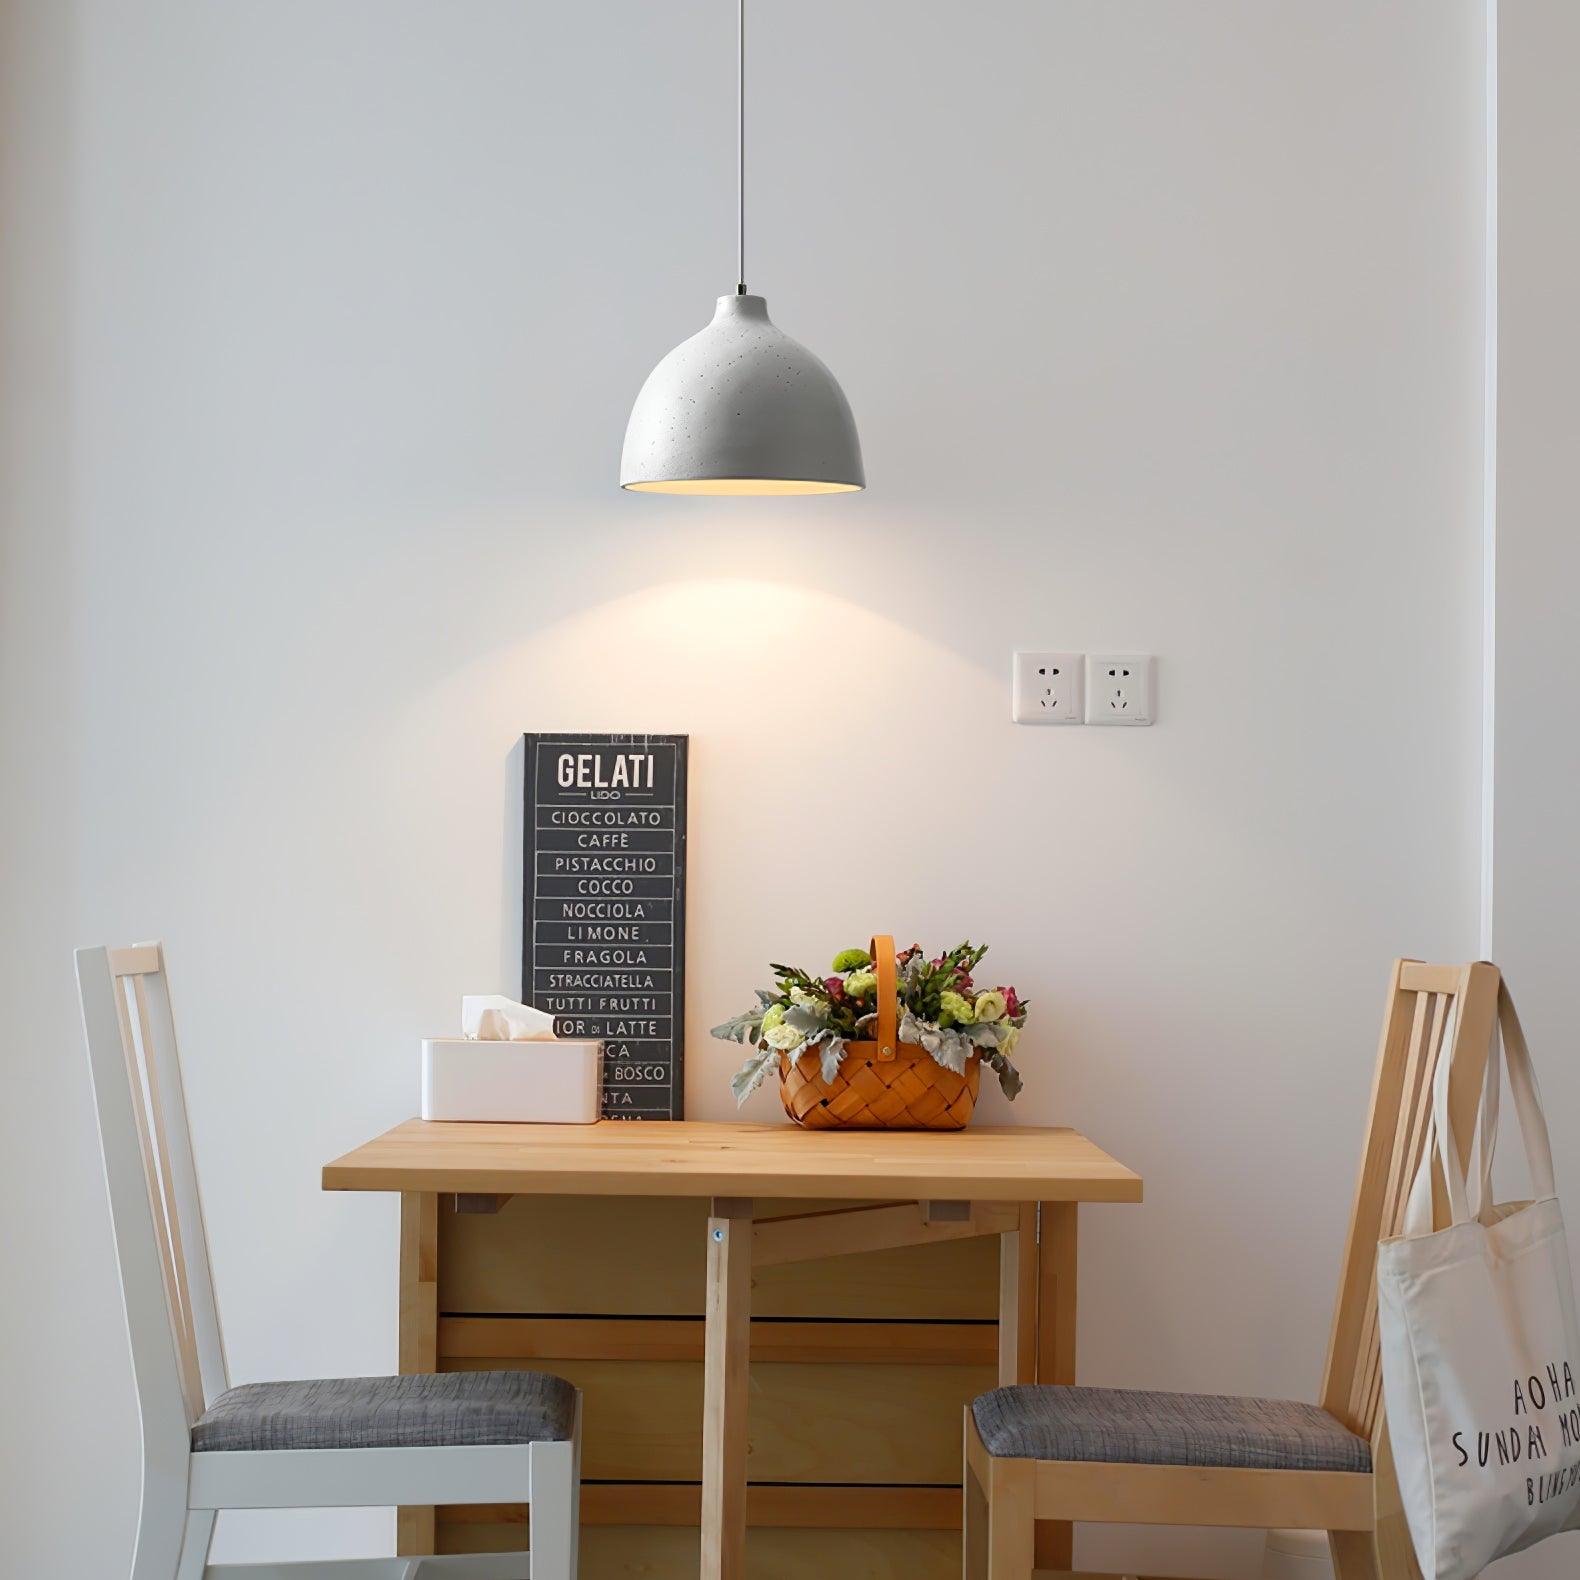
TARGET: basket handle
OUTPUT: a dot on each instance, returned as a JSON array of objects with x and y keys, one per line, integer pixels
[{"x": 882, "y": 952}]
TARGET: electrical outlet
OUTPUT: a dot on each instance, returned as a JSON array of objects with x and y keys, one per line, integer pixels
[
  {"x": 1048, "y": 688},
  {"x": 1120, "y": 688}
]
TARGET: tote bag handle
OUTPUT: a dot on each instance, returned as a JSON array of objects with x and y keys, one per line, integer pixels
[
  {"x": 1527, "y": 1104},
  {"x": 1440, "y": 1142}
]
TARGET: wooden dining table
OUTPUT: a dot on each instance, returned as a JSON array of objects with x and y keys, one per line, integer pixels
[{"x": 765, "y": 1197}]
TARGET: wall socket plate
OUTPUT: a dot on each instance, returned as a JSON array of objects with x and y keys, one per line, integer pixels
[
  {"x": 1121, "y": 688},
  {"x": 1049, "y": 688}
]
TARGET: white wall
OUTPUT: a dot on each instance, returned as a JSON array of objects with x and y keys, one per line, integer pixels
[
  {"x": 1163, "y": 325},
  {"x": 1536, "y": 856}
]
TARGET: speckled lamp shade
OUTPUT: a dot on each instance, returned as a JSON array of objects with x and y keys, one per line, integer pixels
[{"x": 741, "y": 408}]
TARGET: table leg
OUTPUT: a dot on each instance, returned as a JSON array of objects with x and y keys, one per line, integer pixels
[
  {"x": 1056, "y": 1266},
  {"x": 1017, "y": 1300},
  {"x": 419, "y": 1332},
  {"x": 726, "y": 1373}
]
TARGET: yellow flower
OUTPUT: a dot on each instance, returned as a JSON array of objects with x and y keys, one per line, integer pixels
[
  {"x": 861, "y": 984},
  {"x": 990, "y": 1005},
  {"x": 1011, "y": 1037}
]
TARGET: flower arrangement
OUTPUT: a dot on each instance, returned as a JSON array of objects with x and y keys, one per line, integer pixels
[{"x": 941, "y": 1010}]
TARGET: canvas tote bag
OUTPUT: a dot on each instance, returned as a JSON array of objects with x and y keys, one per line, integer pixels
[{"x": 1480, "y": 1349}]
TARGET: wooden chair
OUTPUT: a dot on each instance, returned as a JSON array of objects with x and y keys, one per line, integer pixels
[
  {"x": 503, "y": 1437},
  {"x": 1091, "y": 1454}
]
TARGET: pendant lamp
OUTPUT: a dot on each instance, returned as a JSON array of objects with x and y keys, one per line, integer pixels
[{"x": 740, "y": 407}]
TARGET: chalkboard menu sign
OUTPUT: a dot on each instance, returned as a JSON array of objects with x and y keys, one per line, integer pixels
[{"x": 603, "y": 939}]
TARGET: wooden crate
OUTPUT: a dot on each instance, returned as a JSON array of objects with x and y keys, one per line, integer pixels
[{"x": 860, "y": 1367}]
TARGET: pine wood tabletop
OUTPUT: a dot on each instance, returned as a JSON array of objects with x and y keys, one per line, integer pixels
[{"x": 707, "y": 1158}]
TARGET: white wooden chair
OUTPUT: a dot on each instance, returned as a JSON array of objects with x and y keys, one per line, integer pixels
[
  {"x": 501, "y": 1437},
  {"x": 1047, "y": 1454}
]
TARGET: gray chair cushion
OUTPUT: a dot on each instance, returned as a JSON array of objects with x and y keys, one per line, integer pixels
[
  {"x": 1130, "y": 1427},
  {"x": 423, "y": 1411}
]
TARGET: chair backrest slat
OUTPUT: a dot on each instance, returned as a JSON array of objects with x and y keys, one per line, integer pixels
[
  {"x": 1416, "y": 976},
  {"x": 140, "y": 1075},
  {"x": 134, "y": 959},
  {"x": 1424, "y": 1001},
  {"x": 207, "y": 1331},
  {"x": 1427, "y": 1028},
  {"x": 177, "y": 1349}
]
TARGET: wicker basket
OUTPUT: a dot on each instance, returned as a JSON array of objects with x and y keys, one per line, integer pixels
[{"x": 881, "y": 1085}]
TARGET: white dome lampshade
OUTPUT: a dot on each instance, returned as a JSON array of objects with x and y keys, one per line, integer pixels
[{"x": 741, "y": 408}]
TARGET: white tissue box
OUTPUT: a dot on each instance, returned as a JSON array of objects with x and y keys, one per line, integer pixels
[{"x": 546, "y": 1083}]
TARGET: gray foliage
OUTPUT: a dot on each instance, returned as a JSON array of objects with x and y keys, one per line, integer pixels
[
  {"x": 1008, "y": 1076},
  {"x": 833, "y": 1052},
  {"x": 753, "y": 1073},
  {"x": 809, "y": 1022},
  {"x": 952, "y": 1047},
  {"x": 741, "y": 1028}
]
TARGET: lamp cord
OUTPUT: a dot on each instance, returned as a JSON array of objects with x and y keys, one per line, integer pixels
[{"x": 740, "y": 148}]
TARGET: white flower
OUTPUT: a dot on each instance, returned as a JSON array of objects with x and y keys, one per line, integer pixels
[
  {"x": 990, "y": 1005},
  {"x": 783, "y": 1037},
  {"x": 799, "y": 995}
]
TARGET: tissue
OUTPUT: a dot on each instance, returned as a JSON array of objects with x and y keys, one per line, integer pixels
[{"x": 490, "y": 1017}]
